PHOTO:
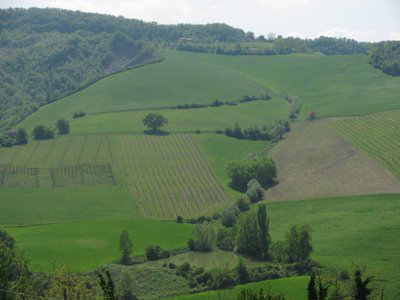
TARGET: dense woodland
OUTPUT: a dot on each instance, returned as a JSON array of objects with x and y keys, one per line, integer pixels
[{"x": 385, "y": 56}]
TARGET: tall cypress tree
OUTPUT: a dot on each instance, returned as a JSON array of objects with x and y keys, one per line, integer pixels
[
  {"x": 311, "y": 290},
  {"x": 263, "y": 231}
]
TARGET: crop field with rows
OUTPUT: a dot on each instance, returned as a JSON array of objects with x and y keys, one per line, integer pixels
[
  {"x": 378, "y": 134},
  {"x": 168, "y": 175}
]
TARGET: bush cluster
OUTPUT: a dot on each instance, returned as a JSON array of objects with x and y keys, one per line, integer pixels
[{"x": 272, "y": 132}]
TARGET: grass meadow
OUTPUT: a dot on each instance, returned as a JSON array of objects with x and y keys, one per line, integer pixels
[
  {"x": 185, "y": 120},
  {"x": 294, "y": 288},
  {"x": 85, "y": 245},
  {"x": 176, "y": 80},
  {"x": 376, "y": 134},
  {"x": 333, "y": 85},
  {"x": 348, "y": 231}
]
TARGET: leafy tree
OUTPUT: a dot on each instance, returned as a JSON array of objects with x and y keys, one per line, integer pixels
[
  {"x": 226, "y": 239},
  {"x": 107, "y": 285},
  {"x": 243, "y": 204},
  {"x": 154, "y": 121},
  {"x": 255, "y": 192},
  {"x": 204, "y": 237},
  {"x": 311, "y": 288},
  {"x": 241, "y": 172},
  {"x": 126, "y": 247},
  {"x": 298, "y": 239},
  {"x": 228, "y": 216},
  {"x": 242, "y": 272},
  {"x": 63, "y": 126},
  {"x": 156, "y": 252},
  {"x": 263, "y": 231},
  {"x": 179, "y": 219},
  {"x": 360, "y": 289},
  {"x": 41, "y": 132},
  {"x": 125, "y": 286},
  {"x": 248, "y": 238},
  {"x": 21, "y": 137}
]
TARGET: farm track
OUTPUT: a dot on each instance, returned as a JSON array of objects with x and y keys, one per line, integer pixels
[{"x": 168, "y": 176}]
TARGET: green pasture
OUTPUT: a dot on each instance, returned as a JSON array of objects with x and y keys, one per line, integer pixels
[
  {"x": 85, "y": 245},
  {"x": 348, "y": 231},
  {"x": 294, "y": 288},
  {"x": 27, "y": 206},
  {"x": 185, "y": 120},
  {"x": 176, "y": 80},
  {"x": 337, "y": 85},
  {"x": 377, "y": 134}
]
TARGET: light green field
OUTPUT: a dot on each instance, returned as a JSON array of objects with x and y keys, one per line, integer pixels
[
  {"x": 377, "y": 134},
  {"x": 341, "y": 85},
  {"x": 294, "y": 288},
  {"x": 185, "y": 120},
  {"x": 26, "y": 206},
  {"x": 348, "y": 231},
  {"x": 177, "y": 80},
  {"x": 85, "y": 245}
]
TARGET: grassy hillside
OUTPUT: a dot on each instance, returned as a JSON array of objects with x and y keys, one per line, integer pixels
[
  {"x": 314, "y": 161},
  {"x": 348, "y": 231},
  {"x": 177, "y": 80},
  {"x": 185, "y": 120},
  {"x": 85, "y": 245},
  {"x": 294, "y": 288},
  {"x": 377, "y": 134},
  {"x": 342, "y": 85}
]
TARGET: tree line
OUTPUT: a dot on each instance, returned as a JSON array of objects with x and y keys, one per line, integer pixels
[{"x": 385, "y": 56}]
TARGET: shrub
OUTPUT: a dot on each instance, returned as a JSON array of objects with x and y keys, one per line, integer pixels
[
  {"x": 41, "y": 132},
  {"x": 219, "y": 131},
  {"x": 228, "y": 216},
  {"x": 312, "y": 115},
  {"x": 79, "y": 114},
  {"x": 191, "y": 245},
  {"x": 243, "y": 204},
  {"x": 62, "y": 126},
  {"x": 255, "y": 185},
  {"x": 179, "y": 219},
  {"x": 183, "y": 270},
  {"x": 156, "y": 252},
  {"x": 21, "y": 137},
  {"x": 252, "y": 195},
  {"x": 226, "y": 239}
]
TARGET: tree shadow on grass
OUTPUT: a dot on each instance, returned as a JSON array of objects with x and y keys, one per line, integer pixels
[{"x": 156, "y": 132}]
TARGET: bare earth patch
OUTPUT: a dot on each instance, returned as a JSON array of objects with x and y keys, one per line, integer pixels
[{"x": 314, "y": 161}]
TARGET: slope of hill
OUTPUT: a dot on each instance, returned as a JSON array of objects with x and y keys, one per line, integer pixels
[
  {"x": 339, "y": 85},
  {"x": 177, "y": 80}
]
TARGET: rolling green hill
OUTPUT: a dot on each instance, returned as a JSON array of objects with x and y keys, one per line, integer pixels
[
  {"x": 338, "y": 85},
  {"x": 177, "y": 80}
]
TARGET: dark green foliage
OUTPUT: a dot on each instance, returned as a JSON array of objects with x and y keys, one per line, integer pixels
[
  {"x": 272, "y": 132},
  {"x": 311, "y": 288},
  {"x": 179, "y": 219},
  {"x": 204, "y": 240},
  {"x": 247, "y": 241},
  {"x": 154, "y": 121},
  {"x": 294, "y": 106},
  {"x": 335, "y": 46},
  {"x": 125, "y": 247},
  {"x": 264, "y": 239},
  {"x": 156, "y": 252},
  {"x": 385, "y": 56},
  {"x": 243, "y": 204},
  {"x": 41, "y": 132},
  {"x": 21, "y": 137},
  {"x": 298, "y": 239},
  {"x": 199, "y": 279},
  {"x": 6, "y": 140},
  {"x": 229, "y": 215},
  {"x": 183, "y": 270},
  {"x": 250, "y": 294},
  {"x": 226, "y": 239},
  {"x": 243, "y": 274},
  {"x": 107, "y": 285},
  {"x": 79, "y": 114},
  {"x": 241, "y": 172},
  {"x": 63, "y": 126},
  {"x": 360, "y": 289},
  {"x": 222, "y": 278}
]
